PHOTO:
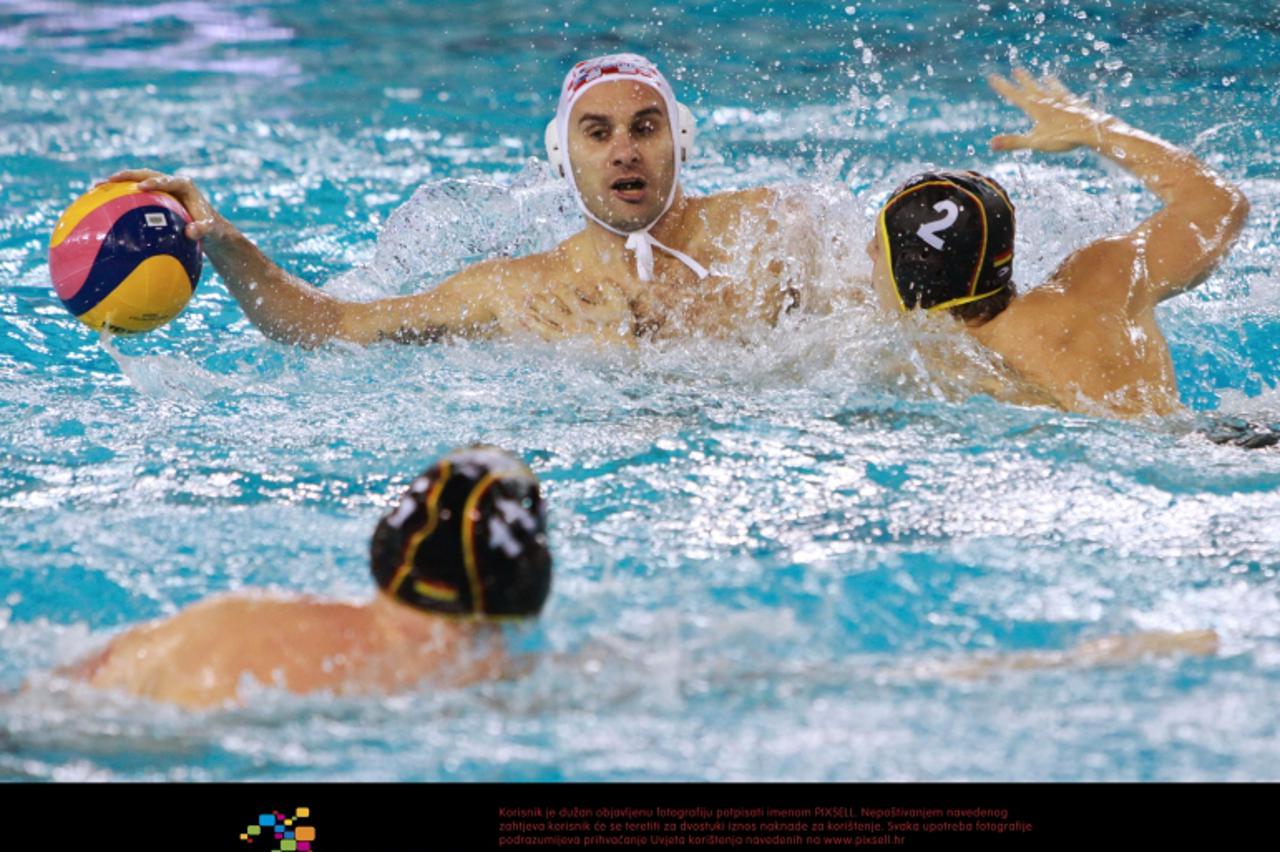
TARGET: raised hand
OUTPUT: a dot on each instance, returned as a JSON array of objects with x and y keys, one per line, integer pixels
[
  {"x": 1062, "y": 120},
  {"x": 205, "y": 221}
]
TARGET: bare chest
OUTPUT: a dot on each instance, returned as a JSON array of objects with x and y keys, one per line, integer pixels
[{"x": 677, "y": 303}]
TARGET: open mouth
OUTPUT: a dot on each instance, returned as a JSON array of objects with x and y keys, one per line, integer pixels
[{"x": 629, "y": 188}]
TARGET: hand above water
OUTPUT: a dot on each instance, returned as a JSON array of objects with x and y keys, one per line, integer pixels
[
  {"x": 1062, "y": 120},
  {"x": 205, "y": 221}
]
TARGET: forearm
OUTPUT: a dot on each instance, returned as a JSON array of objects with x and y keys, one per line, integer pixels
[
  {"x": 1171, "y": 250},
  {"x": 1113, "y": 650},
  {"x": 1202, "y": 215},
  {"x": 464, "y": 305},
  {"x": 282, "y": 306},
  {"x": 1170, "y": 172},
  {"x": 1064, "y": 121}
]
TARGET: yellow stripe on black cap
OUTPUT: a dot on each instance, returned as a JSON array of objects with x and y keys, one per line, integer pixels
[
  {"x": 964, "y": 300},
  {"x": 469, "y": 539},
  {"x": 1003, "y": 259},
  {"x": 415, "y": 540},
  {"x": 436, "y": 591},
  {"x": 888, "y": 256},
  {"x": 469, "y": 517},
  {"x": 977, "y": 270},
  {"x": 1000, "y": 192}
]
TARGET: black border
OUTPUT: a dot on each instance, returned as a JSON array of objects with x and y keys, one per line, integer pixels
[{"x": 355, "y": 817}]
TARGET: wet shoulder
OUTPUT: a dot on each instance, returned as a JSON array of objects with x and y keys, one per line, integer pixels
[
  {"x": 501, "y": 272},
  {"x": 724, "y": 209},
  {"x": 531, "y": 268},
  {"x": 1034, "y": 321},
  {"x": 1099, "y": 275},
  {"x": 245, "y": 616}
]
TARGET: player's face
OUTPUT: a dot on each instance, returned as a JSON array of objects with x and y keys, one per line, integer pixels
[{"x": 622, "y": 153}]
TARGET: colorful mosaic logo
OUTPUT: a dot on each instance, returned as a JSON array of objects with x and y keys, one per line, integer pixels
[{"x": 287, "y": 832}]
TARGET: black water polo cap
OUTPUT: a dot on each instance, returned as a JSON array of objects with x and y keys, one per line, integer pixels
[
  {"x": 948, "y": 239},
  {"x": 469, "y": 538}
]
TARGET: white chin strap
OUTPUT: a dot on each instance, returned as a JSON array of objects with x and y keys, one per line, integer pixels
[{"x": 642, "y": 243}]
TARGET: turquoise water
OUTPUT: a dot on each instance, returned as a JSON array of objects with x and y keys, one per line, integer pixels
[{"x": 763, "y": 547}]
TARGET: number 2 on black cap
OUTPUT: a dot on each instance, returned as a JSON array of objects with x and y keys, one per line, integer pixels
[{"x": 929, "y": 230}]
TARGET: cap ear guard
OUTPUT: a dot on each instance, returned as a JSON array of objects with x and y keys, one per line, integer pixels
[
  {"x": 688, "y": 132},
  {"x": 552, "y": 140},
  {"x": 908, "y": 277}
]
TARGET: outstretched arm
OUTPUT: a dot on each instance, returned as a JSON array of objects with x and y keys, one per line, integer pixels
[
  {"x": 1114, "y": 650},
  {"x": 1174, "y": 249},
  {"x": 289, "y": 310}
]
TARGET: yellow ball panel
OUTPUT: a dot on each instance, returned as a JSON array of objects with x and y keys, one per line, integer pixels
[
  {"x": 86, "y": 204},
  {"x": 153, "y": 294}
]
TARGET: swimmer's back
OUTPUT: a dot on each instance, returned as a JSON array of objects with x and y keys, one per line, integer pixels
[
  {"x": 1086, "y": 353},
  {"x": 198, "y": 657}
]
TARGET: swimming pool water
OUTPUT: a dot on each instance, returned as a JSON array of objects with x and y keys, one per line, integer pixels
[{"x": 762, "y": 545}]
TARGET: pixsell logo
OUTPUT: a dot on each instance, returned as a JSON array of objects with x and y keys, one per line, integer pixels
[{"x": 283, "y": 833}]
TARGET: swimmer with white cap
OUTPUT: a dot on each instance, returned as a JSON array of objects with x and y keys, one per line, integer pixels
[
  {"x": 650, "y": 260},
  {"x": 1087, "y": 339},
  {"x": 463, "y": 550}
]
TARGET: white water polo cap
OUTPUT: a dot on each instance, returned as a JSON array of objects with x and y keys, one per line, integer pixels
[{"x": 624, "y": 66}]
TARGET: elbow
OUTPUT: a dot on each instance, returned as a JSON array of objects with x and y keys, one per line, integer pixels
[
  {"x": 289, "y": 334},
  {"x": 1239, "y": 208},
  {"x": 1223, "y": 217},
  {"x": 326, "y": 322},
  {"x": 1235, "y": 207}
]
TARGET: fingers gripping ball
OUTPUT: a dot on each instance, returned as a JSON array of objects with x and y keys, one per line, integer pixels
[{"x": 119, "y": 258}]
